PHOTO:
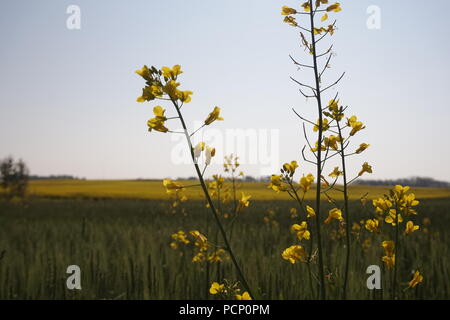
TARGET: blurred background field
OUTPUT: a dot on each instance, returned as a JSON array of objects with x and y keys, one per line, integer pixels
[
  {"x": 123, "y": 245},
  {"x": 154, "y": 190}
]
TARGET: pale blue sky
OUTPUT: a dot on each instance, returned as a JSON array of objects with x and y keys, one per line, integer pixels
[{"x": 67, "y": 102}]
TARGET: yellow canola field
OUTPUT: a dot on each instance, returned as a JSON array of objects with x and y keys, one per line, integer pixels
[{"x": 135, "y": 189}]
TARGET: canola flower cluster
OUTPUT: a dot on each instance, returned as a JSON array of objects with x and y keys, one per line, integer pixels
[
  {"x": 391, "y": 211},
  {"x": 163, "y": 85},
  {"x": 203, "y": 249},
  {"x": 228, "y": 291}
]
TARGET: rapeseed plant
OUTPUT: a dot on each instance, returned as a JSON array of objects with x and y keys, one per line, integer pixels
[
  {"x": 162, "y": 85},
  {"x": 393, "y": 209},
  {"x": 332, "y": 138}
]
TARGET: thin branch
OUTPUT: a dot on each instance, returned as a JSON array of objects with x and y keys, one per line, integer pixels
[
  {"x": 304, "y": 119},
  {"x": 304, "y": 157},
  {"x": 307, "y": 140},
  {"x": 197, "y": 130},
  {"x": 307, "y": 96},
  {"x": 326, "y": 66},
  {"x": 327, "y": 32},
  {"x": 335, "y": 83},
  {"x": 303, "y": 85},
  {"x": 299, "y": 64},
  {"x": 325, "y": 53}
]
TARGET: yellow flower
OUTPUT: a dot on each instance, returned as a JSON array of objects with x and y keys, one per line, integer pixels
[
  {"x": 355, "y": 125},
  {"x": 171, "y": 88},
  {"x": 174, "y": 245},
  {"x": 306, "y": 6},
  {"x": 410, "y": 227},
  {"x": 276, "y": 183},
  {"x": 199, "y": 257},
  {"x": 201, "y": 240},
  {"x": 336, "y": 173},
  {"x": 373, "y": 225},
  {"x": 213, "y": 116},
  {"x": 325, "y": 125},
  {"x": 216, "y": 288},
  {"x": 400, "y": 191},
  {"x": 310, "y": 211},
  {"x": 334, "y": 213},
  {"x": 365, "y": 168},
  {"x": 331, "y": 30},
  {"x": 388, "y": 247},
  {"x": 305, "y": 182},
  {"x": 382, "y": 205},
  {"x": 294, "y": 254},
  {"x": 389, "y": 258},
  {"x": 184, "y": 96},
  {"x": 319, "y": 30},
  {"x": 171, "y": 73},
  {"x": 150, "y": 93},
  {"x": 180, "y": 236},
  {"x": 322, "y": 147},
  {"x": 332, "y": 142},
  {"x": 285, "y": 11},
  {"x": 417, "y": 278},
  {"x": 144, "y": 73},
  {"x": 333, "y": 107},
  {"x": 243, "y": 202},
  {"x": 319, "y": 2},
  {"x": 301, "y": 230},
  {"x": 157, "y": 125},
  {"x": 324, "y": 17},
  {"x": 362, "y": 147},
  {"x": 290, "y": 21},
  {"x": 389, "y": 261},
  {"x": 392, "y": 217},
  {"x": 290, "y": 167},
  {"x": 407, "y": 203},
  {"x": 172, "y": 186},
  {"x": 335, "y": 7},
  {"x": 159, "y": 111},
  {"x": 244, "y": 296},
  {"x": 217, "y": 256}
]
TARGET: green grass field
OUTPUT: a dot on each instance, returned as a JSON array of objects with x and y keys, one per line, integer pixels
[{"x": 122, "y": 247}]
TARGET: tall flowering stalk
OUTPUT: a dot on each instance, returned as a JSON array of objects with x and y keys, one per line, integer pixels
[
  {"x": 162, "y": 84},
  {"x": 330, "y": 119},
  {"x": 393, "y": 209},
  {"x": 311, "y": 8}
]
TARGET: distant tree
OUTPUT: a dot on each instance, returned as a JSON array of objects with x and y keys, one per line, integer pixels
[
  {"x": 412, "y": 182},
  {"x": 14, "y": 177}
]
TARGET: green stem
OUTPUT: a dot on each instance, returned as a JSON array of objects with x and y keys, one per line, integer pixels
[
  {"x": 207, "y": 263},
  {"x": 319, "y": 156},
  {"x": 394, "y": 281},
  {"x": 346, "y": 214},
  {"x": 310, "y": 247},
  {"x": 234, "y": 204},
  {"x": 211, "y": 204}
]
